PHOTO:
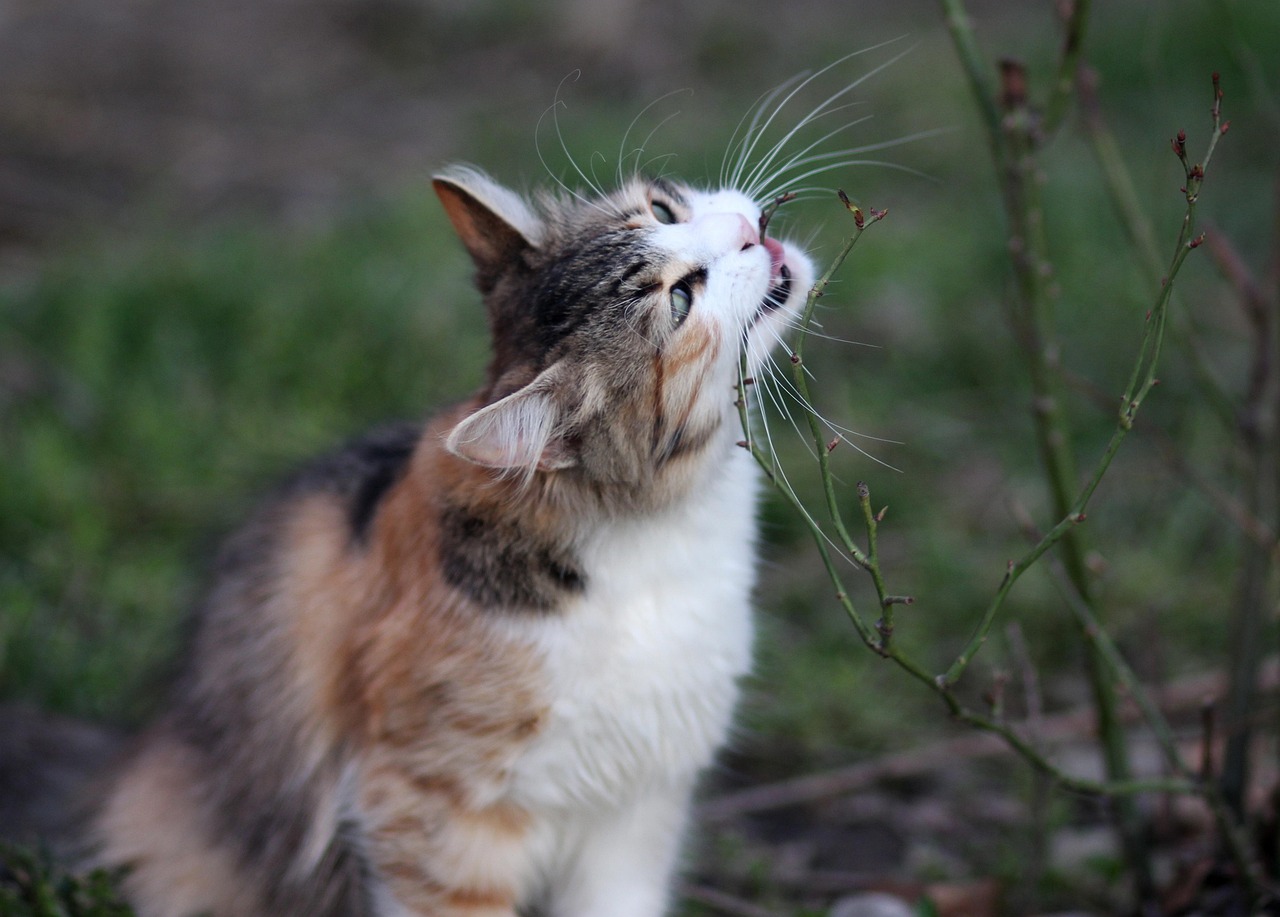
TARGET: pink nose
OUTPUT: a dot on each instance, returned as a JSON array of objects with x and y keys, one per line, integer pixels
[{"x": 748, "y": 232}]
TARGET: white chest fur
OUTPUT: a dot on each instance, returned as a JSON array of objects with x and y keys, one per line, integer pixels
[{"x": 643, "y": 671}]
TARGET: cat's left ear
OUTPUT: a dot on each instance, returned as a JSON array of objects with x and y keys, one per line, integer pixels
[
  {"x": 494, "y": 223},
  {"x": 521, "y": 432}
]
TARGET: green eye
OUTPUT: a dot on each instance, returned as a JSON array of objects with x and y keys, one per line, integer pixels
[
  {"x": 662, "y": 213},
  {"x": 681, "y": 302}
]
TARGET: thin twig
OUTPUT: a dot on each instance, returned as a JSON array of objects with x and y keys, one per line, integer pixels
[
  {"x": 1179, "y": 699},
  {"x": 1064, "y": 81}
]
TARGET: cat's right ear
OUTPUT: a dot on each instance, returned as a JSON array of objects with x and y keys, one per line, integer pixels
[
  {"x": 523, "y": 432},
  {"x": 494, "y": 223}
]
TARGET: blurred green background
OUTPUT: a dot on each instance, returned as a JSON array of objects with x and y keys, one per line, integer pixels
[{"x": 219, "y": 255}]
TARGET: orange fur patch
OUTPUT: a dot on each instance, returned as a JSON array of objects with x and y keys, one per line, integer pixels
[{"x": 150, "y": 825}]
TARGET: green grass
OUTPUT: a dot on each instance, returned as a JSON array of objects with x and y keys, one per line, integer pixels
[
  {"x": 34, "y": 885},
  {"x": 165, "y": 384}
]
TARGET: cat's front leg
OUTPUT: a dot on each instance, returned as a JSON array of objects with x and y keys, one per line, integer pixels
[
  {"x": 625, "y": 859},
  {"x": 436, "y": 855}
]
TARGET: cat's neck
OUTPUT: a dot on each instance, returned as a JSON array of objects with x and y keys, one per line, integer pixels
[
  {"x": 570, "y": 501},
  {"x": 505, "y": 539}
]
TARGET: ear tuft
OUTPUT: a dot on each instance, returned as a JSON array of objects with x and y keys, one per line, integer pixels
[
  {"x": 493, "y": 222},
  {"x": 516, "y": 433}
]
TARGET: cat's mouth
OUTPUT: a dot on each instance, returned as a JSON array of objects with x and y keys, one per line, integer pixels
[
  {"x": 780, "y": 274},
  {"x": 779, "y": 293}
]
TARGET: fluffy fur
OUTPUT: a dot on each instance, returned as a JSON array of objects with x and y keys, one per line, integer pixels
[{"x": 474, "y": 670}]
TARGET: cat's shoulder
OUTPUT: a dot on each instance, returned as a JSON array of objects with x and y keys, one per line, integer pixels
[
  {"x": 356, "y": 475},
  {"x": 360, "y": 472}
]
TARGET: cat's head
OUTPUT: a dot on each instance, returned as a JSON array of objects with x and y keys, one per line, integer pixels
[{"x": 617, "y": 321}]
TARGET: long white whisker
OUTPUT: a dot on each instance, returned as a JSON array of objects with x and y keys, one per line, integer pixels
[
  {"x": 840, "y": 158},
  {"x": 757, "y": 175},
  {"x": 756, "y": 112},
  {"x": 759, "y": 129},
  {"x": 823, "y": 336},
  {"x": 831, "y": 167},
  {"x": 623, "y": 154},
  {"x": 766, "y": 161},
  {"x": 780, "y": 474},
  {"x": 759, "y": 179},
  {"x": 824, "y": 109},
  {"x": 841, "y": 432},
  {"x": 572, "y": 192},
  {"x": 554, "y": 111},
  {"x": 640, "y": 149},
  {"x": 776, "y": 386},
  {"x": 648, "y": 167}
]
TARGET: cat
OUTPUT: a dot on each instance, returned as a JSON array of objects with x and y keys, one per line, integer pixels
[{"x": 474, "y": 669}]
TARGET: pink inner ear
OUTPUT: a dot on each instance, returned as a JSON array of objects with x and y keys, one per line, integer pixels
[{"x": 517, "y": 432}]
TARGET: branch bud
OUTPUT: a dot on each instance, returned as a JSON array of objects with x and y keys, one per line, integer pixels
[
  {"x": 1013, "y": 84},
  {"x": 859, "y": 219},
  {"x": 767, "y": 213}
]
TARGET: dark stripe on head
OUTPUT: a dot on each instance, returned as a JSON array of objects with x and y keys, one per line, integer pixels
[
  {"x": 667, "y": 189},
  {"x": 615, "y": 289},
  {"x": 583, "y": 281}
]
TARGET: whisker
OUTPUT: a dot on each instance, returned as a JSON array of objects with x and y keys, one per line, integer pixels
[
  {"x": 554, "y": 111},
  {"x": 782, "y": 379},
  {"x": 623, "y": 154},
  {"x": 756, "y": 112},
  {"x": 647, "y": 168},
  {"x": 823, "y": 110},
  {"x": 767, "y": 160},
  {"x": 816, "y": 112},
  {"x": 801, "y": 157},
  {"x": 780, "y": 475},
  {"x": 823, "y": 336},
  {"x": 831, "y": 167}
]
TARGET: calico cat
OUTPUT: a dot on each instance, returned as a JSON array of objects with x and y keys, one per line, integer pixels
[{"x": 474, "y": 670}]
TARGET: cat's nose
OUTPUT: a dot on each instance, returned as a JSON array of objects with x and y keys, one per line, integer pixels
[{"x": 731, "y": 231}]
